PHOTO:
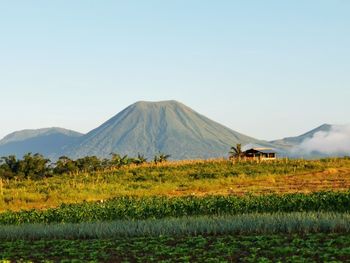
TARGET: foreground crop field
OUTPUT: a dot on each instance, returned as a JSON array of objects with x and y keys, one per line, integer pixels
[
  {"x": 135, "y": 208},
  {"x": 254, "y": 223},
  {"x": 190, "y": 211},
  {"x": 200, "y": 248},
  {"x": 199, "y": 178}
]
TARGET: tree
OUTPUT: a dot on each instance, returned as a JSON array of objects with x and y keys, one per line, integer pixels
[
  {"x": 236, "y": 153},
  {"x": 88, "y": 164},
  {"x": 34, "y": 166},
  {"x": 9, "y": 167},
  {"x": 161, "y": 157},
  {"x": 65, "y": 165},
  {"x": 11, "y": 163},
  {"x": 105, "y": 163},
  {"x": 118, "y": 161},
  {"x": 140, "y": 159}
]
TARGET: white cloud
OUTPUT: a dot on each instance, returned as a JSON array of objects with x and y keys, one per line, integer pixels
[{"x": 334, "y": 142}]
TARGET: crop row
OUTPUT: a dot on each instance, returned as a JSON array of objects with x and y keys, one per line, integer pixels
[
  {"x": 161, "y": 207},
  {"x": 202, "y": 248},
  {"x": 254, "y": 223}
]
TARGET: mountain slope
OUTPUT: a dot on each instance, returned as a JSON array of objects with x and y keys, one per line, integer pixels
[
  {"x": 167, "y": 126},
  {"x": 48, "y": 141},
  {"x": 290, "y": 142}
]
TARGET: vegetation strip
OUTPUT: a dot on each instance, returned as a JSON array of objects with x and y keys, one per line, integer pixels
[
  {"x": 322, "y": 247},
  {"x": 181, "y": 178},
  {"x": 238, "y": 224},
  {"x": 161, "y": 207}
]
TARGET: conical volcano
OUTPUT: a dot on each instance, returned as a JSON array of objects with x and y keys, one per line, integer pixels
[{"x": 152, "y": 127}]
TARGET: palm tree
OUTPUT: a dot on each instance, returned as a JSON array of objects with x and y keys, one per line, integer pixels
[
  {"x": 118, "y": 160},
  {"x": 140, "y": 159},
  {"x": 236, "y": 152},
  {"x": 161, "y": 157}
]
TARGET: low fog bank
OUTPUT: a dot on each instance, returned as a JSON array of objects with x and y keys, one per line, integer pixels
[{"x": 335, "y": 142}]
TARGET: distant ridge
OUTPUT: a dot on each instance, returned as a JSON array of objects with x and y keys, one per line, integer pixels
[
  {"x": 47, "y": 141},
  {"x": 149, "y": 128},
  {"x": 166, "y": 126},
  {"x": 290, "y": 142}
]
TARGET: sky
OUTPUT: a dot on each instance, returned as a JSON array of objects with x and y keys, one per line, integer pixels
[{"x": 268, "y": 69}]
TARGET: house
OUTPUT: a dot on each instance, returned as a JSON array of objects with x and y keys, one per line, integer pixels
[{"x": 257, "y": 152}]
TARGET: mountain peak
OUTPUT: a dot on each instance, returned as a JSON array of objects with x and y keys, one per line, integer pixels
[
  {"x": 293, "y": 141},
  {"x": 167, "y": 126},
  {"x": 164, "y": 103},
  {"x": 324, "y": 126}
]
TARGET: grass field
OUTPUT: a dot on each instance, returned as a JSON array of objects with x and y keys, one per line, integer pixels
[{"x": 216, "y": 177}]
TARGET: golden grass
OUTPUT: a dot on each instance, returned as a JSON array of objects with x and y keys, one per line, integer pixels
[{"x": 174, "y": 179}]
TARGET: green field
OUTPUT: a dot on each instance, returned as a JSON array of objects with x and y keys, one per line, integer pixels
[
  {"x": 253, "y": 223},
  {"x": 199, "y": 178},
  {"x": 199, "y": 248},
  {"x": 134, "y": 208},
  {"x": 189, "y": 211}
]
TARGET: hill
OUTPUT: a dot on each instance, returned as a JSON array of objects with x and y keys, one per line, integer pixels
[
  {"x": 48, "y": 141},
  {"x": 166, "y": 126},
  {"x": 324, "y": 141},
  {"x": 289, "y": 142}
]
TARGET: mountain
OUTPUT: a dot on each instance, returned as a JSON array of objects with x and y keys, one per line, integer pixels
[
  {"x": 324, "y": 141},
  {"x": 290, "y": 142},
  {"x": 48, "y": 141},
  {"x": 166, "y": 126}
]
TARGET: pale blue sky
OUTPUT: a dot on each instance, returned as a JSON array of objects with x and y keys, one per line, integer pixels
[{"x": 268, "y": 69}]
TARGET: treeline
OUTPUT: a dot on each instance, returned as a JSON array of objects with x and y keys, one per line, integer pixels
[{"x": 36, "y": 166}]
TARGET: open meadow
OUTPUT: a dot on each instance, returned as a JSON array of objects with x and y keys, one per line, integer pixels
[
  {"x": 179, "y": 178},
  {"x": 186, "y": 211}
]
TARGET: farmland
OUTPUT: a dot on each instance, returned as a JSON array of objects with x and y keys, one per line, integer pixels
[
  {"x": 199, "y": 178},
  {"x": 227, "y": 248},
  {"x": 197, "y": 211},
  {"x": 136, "y": 208}
]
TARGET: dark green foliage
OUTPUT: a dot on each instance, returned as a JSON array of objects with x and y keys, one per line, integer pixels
[
  {"x": 64, "y": 165},
  {"x": 119, "y": 161},
  {"x": 202, "y": 175},
  {"x": 161, "y": 207},
  {"x": 236, "y": 152},
  {"x": 161, "y": 158},
  {"x": 201, "y": 248},
  {"x": 140, "y": 159},
  {"x": 88, "y": 164},
  {"x": 31, "y": 166},
  {"x": 36, "y": 166}
]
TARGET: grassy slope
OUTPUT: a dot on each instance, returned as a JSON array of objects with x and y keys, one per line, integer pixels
[
  {"x": 198, "y": 178},
  {"x": 167, "y": 126}
]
